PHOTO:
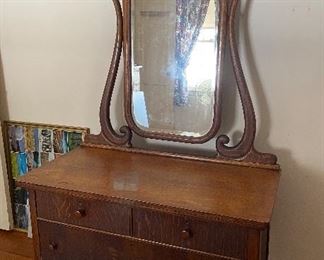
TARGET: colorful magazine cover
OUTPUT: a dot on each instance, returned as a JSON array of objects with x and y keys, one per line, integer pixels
[
  {"x": 58, "y": 141},
  {"x": 44, "y": 158},
  {"x": 14, "y": 165},
  {"x": 37, "y": 161},
  {"x": 20, "y": 138},
  {"x": 22, "y": 164},
  {"x": 21, "y": 216},
  {"x": 30, "y": 160},
  {"x": 32, "y": 147},
  {"x": 74, "y": 140},
  {"x": 30, "y": 139},
  {"x": 46, "y": 140},
  {"x": 12, "y": 139},
  {"x": 36, "y": 139},
  {"x": 20, "y": 196}
]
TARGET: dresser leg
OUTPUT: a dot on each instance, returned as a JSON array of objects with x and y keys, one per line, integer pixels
[{"x": 257, "y": 245}]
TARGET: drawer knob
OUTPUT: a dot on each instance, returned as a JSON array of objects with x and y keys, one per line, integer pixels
[
  {"x": 186, "y": 234},
  {"x": 79, "y": 213},
  {"x": 52, "y": 246}
]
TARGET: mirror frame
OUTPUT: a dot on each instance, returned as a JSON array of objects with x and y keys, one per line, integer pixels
[
  {"x": 128, "y": 82},
  {"x": 242, "y": 153}
]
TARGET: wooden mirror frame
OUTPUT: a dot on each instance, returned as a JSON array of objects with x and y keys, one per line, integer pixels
[
  {"x": 216, "y": 123},
  {"x": 241, "y": 153}
]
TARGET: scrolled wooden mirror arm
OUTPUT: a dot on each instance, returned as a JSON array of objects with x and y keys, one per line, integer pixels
[
  {"x": 244, "y": 150},
  {"x": 108, "y": 136}
]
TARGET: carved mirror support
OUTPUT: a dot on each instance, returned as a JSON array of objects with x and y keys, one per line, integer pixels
[{"x": 164, "y": 83}]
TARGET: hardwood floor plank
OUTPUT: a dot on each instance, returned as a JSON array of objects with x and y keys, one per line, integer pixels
[
  {"x": 8, "y": 256},
  {"x": 15, "y": 245}
]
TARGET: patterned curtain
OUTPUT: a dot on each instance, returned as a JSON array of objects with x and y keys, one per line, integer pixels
[{"x": 190, "y": 18}]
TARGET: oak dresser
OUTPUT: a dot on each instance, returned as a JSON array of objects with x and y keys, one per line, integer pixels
[{"x": 109, "y": 204}]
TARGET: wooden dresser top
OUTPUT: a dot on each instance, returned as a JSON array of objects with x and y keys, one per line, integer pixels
[{"x": 230, "y": 193}]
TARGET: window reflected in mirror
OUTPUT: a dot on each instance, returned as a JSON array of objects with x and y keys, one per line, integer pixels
[{"x": 174, "y": 59}]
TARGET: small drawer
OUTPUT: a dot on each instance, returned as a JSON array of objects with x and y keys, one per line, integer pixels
[
  {"x": 96, "y": 214},
  {"x": 193, "y": 233}
]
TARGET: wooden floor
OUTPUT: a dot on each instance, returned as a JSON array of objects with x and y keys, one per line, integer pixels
[{"x": 15, "y": 245}]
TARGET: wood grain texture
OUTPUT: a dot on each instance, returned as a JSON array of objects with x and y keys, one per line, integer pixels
[
  {"x": 63, "y": 242},
  {"x": 101, "y": 215},
  {"x": 108, "y": 135},
  {"x": 207, "y": 236},
  {"x": 229, "y": 193},
  {"x": 10, "y": 256},
  {"x": 210, "y": 159},
  {"x": 244, "y": 150},
  {"x": 254, "y": 242},
  {"x": 264, "y": 244},
  {"x": 15, "y": 245}
]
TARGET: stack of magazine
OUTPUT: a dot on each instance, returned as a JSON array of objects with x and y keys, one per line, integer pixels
[{"x": 32, "y": 147}]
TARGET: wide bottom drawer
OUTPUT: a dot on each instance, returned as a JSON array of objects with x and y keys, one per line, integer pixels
[{"x": 58, "y": 241}]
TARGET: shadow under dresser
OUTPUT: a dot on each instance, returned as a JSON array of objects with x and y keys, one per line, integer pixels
[{"x": 107, "y": 204}]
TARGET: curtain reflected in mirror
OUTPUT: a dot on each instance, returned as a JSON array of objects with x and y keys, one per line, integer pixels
[{"x": 174, "y": 55}]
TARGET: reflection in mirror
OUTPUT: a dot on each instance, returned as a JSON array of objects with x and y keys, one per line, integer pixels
[{"x": 174, "y": 54}]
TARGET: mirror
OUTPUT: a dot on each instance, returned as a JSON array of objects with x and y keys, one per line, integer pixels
[
  {"x": 174, "y": 46},
  {"x": 173, "y": 55}
]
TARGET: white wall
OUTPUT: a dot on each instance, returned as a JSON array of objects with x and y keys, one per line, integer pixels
[
  {"x": 5, "y": 205},
  {"x": 287, "y": 48},
  {"x": 55, "y": 56}
]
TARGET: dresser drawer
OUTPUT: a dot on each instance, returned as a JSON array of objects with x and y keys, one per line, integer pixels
[
  {"x": 193, "y": 233},
  {"x": 60, "y": 242},
  {"x": 96, "y": 214}
]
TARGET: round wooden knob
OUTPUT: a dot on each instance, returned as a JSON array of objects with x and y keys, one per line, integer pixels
[
  {"x": 79, "y": 213},
  {"x": 52, "y": 246},
  {"x": 186, "y": 234}
]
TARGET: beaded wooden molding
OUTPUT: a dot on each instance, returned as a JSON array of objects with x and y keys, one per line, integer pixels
[{"x": 243, "y": 152}]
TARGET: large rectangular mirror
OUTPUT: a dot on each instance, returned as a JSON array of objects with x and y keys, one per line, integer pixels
[{"x": 174, "y": 64}]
